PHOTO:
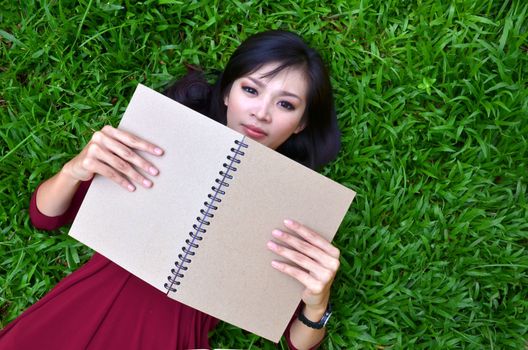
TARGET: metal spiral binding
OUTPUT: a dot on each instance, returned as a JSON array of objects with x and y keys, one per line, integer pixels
[{"x": 189, "y": 249}]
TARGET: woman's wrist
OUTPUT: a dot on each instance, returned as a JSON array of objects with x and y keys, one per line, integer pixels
[
  {"x": 314, "y": 312},
  {"x": 67, "y": 175},
  {"x": 55, "y": 194},
  {"x": 303, "y": 336}
]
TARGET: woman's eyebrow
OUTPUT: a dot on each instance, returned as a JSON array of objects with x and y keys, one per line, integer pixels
[{"x": 282, "y": 92}]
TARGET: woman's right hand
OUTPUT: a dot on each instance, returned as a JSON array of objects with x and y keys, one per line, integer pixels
[{"x": 112, "y": 153}]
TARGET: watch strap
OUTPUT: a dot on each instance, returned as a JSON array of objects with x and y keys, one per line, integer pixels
[{"x": 319, "y": 324}]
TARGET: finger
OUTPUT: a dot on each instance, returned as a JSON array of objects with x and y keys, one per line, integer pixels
[
  {"x": 312, "y": 284},
  {"x": 315, "y": 269},
  {"x": 132, "y": 140},
  {"x": 122, "y": 167},
  {"x": 102, "y": 169},
  {"x": 312, "y": 237},
  {"x": 327, "y": 261},
  {"x": 124, "y": 152}
]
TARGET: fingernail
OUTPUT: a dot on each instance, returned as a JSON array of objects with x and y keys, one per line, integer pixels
[
  {"x": 131, "y": 188},
  {"x": 153, "y": 171},
  {"x": 277, "y": 233},
  {"x": 290, "y": 223},
  {"x": 158, "y": 151},
  {"x": 271, "y": 245},
  {"x": 274, "y": 263},
  {"x": 147, "y": 183}
]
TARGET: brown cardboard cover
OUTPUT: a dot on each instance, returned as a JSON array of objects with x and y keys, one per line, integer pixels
[{"x": 230, "y": 277}]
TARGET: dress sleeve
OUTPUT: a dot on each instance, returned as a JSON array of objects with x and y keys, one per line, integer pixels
[
  {"x": 44, "y": 222},
  {"x": 287, "y": 332}
]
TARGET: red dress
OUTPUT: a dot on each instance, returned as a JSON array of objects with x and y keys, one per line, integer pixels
[{"x": 102, "y": 306}]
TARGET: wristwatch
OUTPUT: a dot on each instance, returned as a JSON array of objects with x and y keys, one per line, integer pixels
[{"x": 321, "y": 323}]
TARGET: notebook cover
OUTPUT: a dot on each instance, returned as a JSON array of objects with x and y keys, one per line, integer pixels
[{"x": 230, "y": 276}]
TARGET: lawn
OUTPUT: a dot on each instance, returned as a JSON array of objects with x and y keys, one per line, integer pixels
[{"x": 432, "y": 101}]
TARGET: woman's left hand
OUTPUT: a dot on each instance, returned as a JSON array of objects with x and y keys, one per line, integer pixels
[{"x": 318, "y": 259}]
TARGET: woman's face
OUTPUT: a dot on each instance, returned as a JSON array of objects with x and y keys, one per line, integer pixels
[{"x": 268, "y": 109}]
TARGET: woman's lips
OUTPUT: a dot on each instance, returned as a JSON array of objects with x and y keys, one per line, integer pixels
[{"x": 253, "y": 131}]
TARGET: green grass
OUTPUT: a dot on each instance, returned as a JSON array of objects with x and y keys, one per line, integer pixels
[{"x": 433, "y": 105}]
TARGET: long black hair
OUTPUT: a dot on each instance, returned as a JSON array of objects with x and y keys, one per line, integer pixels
[{"x": 319, "y": 142}]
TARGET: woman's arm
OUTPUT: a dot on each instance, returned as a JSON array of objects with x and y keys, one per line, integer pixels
[
  {"x": 54, "y": 195},
  {"x": 320, "y": 261},
  {"x": 312, "y": 338},
  {"x": 303, "y": 337},
  {"x": 111, "y": 153}
]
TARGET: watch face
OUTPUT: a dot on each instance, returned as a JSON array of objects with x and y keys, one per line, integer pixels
[{"x": 326, "y": 317}]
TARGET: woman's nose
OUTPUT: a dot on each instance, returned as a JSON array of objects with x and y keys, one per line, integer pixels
[{"x": 262, "y": 111}]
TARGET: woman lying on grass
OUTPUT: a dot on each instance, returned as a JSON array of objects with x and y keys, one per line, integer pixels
[{"x": 274, "y": 90}]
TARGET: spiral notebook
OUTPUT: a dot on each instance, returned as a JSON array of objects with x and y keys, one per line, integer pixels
[{"x": 199, "y": 234}]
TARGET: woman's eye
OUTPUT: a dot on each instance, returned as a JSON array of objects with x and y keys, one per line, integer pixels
[
  {"x": 286, "y": 105},
  {"x": 249, "y": 90}
]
